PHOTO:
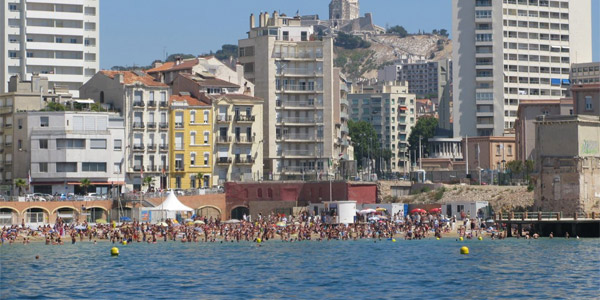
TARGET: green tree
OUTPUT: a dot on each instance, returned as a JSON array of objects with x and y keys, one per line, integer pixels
[
  {"x": 444, "y": 32},
  {"x": 399, "y": 30},
  {"x": 365, "y": 140},
  {"x": 226, "y": 52},
  {"x": 424, "y": 129},
  {"x": 348, "y": 41},
  {"x": 200, "y": 177},
  {"x": 182, "y": 55},
  {"x": 85, "y": 184},
  {"x": 54, "y": 106},
  {"x": 147, "y": 182},
  {"x": 20, "y": 183},
  {"x": 528, "y": 167},
  {"x": 515, "y": 167}
]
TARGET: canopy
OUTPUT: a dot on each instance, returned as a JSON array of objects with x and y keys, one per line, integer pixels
[{"x": 172, "y": 204}]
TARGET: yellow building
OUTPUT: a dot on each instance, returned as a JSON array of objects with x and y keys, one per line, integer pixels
[{"x": 191, "y": 134}]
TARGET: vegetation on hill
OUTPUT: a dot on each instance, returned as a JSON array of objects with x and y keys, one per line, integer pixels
[
  {"x": 355, "y": 62},
  {"x": 400, "y": 31},
  {"x": 348, "y": 41}
]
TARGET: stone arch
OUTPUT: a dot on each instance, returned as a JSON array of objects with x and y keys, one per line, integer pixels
[
  {"x": 237, "y": 212},
  {"x": 71, "y": 217},
  {"x": 35, "y": 206},
  {"x": 94, "y": 215},
  {"x": 65, "y": 206},
  {"x": 34, "y": 216},
  {"x": 6, "y": 219},
  {"x": 209, "y": 211}
]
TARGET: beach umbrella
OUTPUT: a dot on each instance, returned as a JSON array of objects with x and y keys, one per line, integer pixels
[
  {"x": 374, "y": 218},
  {"x": 367, "y": 211},
  {"x": 232, "y": 221},
  {"x": 281, "y": 224},
  {"x": 418, "y": 211},
  {"x": 436, "y": 210},
  {"x": 125, "y": 219},
  {"x": 199, "y": 222},
  {"x": 382, "y": 217},
  {"x": 163, "y": 224},
  {"x": 380, "y": 209},
  {"x": 80, "y": 227},
  {"x": 101, "y": 221}
]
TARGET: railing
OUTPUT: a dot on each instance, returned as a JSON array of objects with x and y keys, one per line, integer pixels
[
  {"x": 244, "y": 139},
  {"x": 163, "y": 104},
  {"x": 163, "y": 125},
  {"x": 244, "y": 160},
  {"x": 163, "y": 147},
  {"x": 300, "y": 71},
  {"x": 137, "y": 168},
  {"x": 539, "y": 216},
  {"x": 223, "y": 139},
  {"x": 293, "y": 152},
  {"x": 300, "y": 137},
  {"x": 300, "y": 169},
  {"x": 223, "y": 118},
  {"x": 138, "y": 147},
  {"x": 151, "y": 168},
  {"x": 138, "y": 125},
  {"x": 151, "y": 147},
  {"x": 244, "y": 118},
  {"x": 280, "y": 103},
  {"x": 300, "y": 87},
  {"x": 151, "y": 103},
  {"x": 224, "y": 160},
  {"x": 298, "y": 55},
  {"x": 138, "y": 104},
  {"x": 178, "y": 125},
  {"x": 299, "y": 120},
  {"x": 151, "y": 125}
]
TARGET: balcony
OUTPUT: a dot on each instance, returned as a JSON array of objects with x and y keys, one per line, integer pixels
[
  {"x": 298, "y": 153},
  {"x": 151, "y": 103},
  {"x": 8, "y": 144},
  {"x": 163, "y": 148},
  {"x": 300, "y": 88},
  {"x": 223, "y": 119},
  {"x": 299, "y": 120},
  {"x": 151, "y": 125},
  {"x": 163, "y": 125},
  {"x": 299, "y": 104},
  {"x": 299, "y": 170},
  {"x": 139, "y": 104},
  {"x": 224, "y": 161},
  {"x": 299, "y": 137},
  {"x": 244, "y": 139},
  {"x": 138, "y": 125},
  {"x": 223, "y": 139},
  {"x": 244, "y": 118},
  {"x": 344, "y": 129},
  {"x": 138, "y": 147},
  {"x": 299, "y": 55},
  {"x": 151, "y": 168},
  {"x": 137, "y": 168},
  {"x": 241, "y": 160},
  {"x": 179, "y": 168},
  {"x": 151, "y": 147},
  {"x": 8, "y": 125},
  {"x": 163, "y": 105},
  {"x": 344, "y": 115},
  {"x": 178, "y": 125},
  {"x": 297, "y": 72}
]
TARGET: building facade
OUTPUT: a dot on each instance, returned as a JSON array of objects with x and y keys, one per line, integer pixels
[
  {"x": 390, "y": 108},
  {"x": 59, "y": 39},
  {"x": 527, "y": 113},
  {"x": 586, "y": 99},
  {"x": 488, "y": 152},
  {"x": 585, "y": 73},
  {"x": 58, "y": 149},
  {"x": 143, "y": 102},
  {"x": 191, "y": 134},
  {"x": 512, "y": 50},
  {"x": 293, "y": 72},
  {"x": 567, "y": 175}
]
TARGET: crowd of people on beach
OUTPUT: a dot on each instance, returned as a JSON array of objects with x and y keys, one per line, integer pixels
[{"x": 274, "y": 226}]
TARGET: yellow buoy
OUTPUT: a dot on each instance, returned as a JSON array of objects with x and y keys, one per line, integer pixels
[
  {"x": 393, "y": 240},
  {"x": 480, "y": 238},
  {"x": 460, "y": 239},
  {"x": 464, "y": 250},
  {"x": 437, "y": 238},
  {"x": 258, "y": 240},
  {"x": 124, "y": 242},
  {"x": 114, "y": 251}
]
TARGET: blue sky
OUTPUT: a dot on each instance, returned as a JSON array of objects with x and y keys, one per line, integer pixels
[{"x": 140, "y": 31}]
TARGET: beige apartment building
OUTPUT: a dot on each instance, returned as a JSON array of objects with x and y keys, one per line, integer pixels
[
  {"x": 292, "y": 70},
  {"x": 391, "y": 109}
]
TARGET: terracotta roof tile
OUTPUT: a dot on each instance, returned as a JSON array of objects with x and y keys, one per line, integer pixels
[
  {"x": 130, "y": 77},
  {"x": 210, "y": 81},
  {"x": 191, "y": 101},
  {"x": 170, "y": 66}
]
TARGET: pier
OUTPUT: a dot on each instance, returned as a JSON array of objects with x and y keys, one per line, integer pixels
[{"x": 544, "y": 223}]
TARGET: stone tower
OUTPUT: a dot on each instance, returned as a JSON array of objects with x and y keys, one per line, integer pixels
[{"x": 344, "y": 10}]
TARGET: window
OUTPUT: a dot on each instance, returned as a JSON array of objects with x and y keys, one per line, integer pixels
[
  {"x": 97, "y": 144},
  {"x": 179, "y": 162},
  {"x": 163, "y": 96},
  {"x": 93, "y": 167},
  {"x": 193, "y": 138},
  {"x": 498, "y": 148},
  {"x": 206, "y": 117},
  {"x": 118, "y": 144},
  {"x": 66, "y": 167},
  {"x": 588, "y": 103},
  {"x": 43, "y": 167},
  {"x": 12, "y": 7},
  {"x": 12, "y": 54},
  {"x": 44, "y": 122},
  {"x": 484, "y": 37},
  {"x": 192, "y": 116},
  {"x": 509, "y": 149},
  {"x": 206, "y": 155},
  {"x": 70, "y": 144},
  {"x": 483, "y": 14},
  {"x": 193, "y": 181},
  {"x": 206, "y": 134},
  {"x": 178, "y": 182},
  {"x": 43, "y": 144},
  {"x": 192, "y": 159}
]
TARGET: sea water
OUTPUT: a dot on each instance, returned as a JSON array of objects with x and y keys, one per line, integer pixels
[{"x": 367, "y": 269}]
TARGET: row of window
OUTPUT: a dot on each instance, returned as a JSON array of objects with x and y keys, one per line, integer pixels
[
  {"x": 72, "y": 167},
  {"x": 542, "y": 3},
  {"x": 535, "y": 69},
  {"x": 79, "y": 144},
  {"x": 536, "y": 36},
  {"x": 536, "y": 47},
  {"x": 533, "y": 24},
  {"x": 539, "y": 58}
]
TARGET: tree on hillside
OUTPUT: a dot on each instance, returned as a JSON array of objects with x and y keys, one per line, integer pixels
[
  {"x": 399, "y": 30},
  {"x": 182, "y": 55},
  {"x": 444, "y": 32},
  {"x": 226, "y": 52},
  {"x": 348, "y": 41},
  {"x": 424, "y": 129}
]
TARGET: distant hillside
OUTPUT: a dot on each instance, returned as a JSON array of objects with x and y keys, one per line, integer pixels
[{"x": 385, "y": 49}]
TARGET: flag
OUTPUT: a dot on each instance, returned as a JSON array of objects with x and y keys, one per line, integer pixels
[
  {"x": 29, "y": 177},
  {"x": 478, "y": 151},
  {"x": 142, "y": 172}
]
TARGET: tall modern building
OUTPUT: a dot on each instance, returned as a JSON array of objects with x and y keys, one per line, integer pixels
[
  {"x": 512, "y": 50},
  {"x": 59, "y": 39},
  {"x": 292, "y": 71}
]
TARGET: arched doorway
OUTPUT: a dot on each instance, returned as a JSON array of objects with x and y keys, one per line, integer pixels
[
  {"x": 239, "y": 212},
  {"x": 208, "y": 212},
  {"x": 96, "y": 213},
  {"x": 36, "y": 216},
  {"x": 8, "y": 216},
  {"x": 67, "y": 214}
]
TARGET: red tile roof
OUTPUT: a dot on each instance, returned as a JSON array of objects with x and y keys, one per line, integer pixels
[
  {"x": 210, "y": 81},
  {"x": 130, "y": 77},
  {"x": 191, "y": 101},
  {"x": 170, "y": 66}
]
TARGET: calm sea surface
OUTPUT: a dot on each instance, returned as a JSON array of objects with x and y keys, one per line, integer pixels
[{"x": 426, "y": 269}]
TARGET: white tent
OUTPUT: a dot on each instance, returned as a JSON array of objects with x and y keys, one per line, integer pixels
[{"x": 172, "y": 204}]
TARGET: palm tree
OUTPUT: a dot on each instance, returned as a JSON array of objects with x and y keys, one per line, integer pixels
[
  {"x": 85, "y": 184},
  {"x": 200, "y": 175},
  {"x": 147, "y": 182},
  {"x": 20, "y": 183}
]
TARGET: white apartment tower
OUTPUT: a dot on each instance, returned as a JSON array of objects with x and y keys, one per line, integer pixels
[
  {"x": 57, "y": 38},
  {"x": 511, "y": 50},
  {"x": 293, "y": 72}
]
